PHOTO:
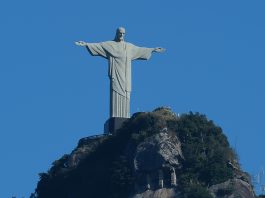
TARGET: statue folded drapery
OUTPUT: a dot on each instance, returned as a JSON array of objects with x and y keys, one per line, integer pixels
[{"x": 120, "y": 54}]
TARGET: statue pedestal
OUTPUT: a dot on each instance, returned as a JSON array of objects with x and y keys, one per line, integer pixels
[{"x": 113, "y": 124}]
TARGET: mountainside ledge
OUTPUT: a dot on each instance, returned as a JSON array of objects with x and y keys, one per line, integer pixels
[{"x": 154, "y": 155}]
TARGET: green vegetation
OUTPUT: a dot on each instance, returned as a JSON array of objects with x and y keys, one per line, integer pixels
[
  {"x": 206, "y": 152},
  {"x": 196, "y": 191}
]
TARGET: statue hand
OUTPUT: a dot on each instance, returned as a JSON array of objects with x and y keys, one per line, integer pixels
[
  {"x": 81, "y": 43},
  {"x": 159, "y": 49}
]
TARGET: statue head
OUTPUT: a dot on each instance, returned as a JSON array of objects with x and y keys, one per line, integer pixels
[{"x": 120, "y": 34}]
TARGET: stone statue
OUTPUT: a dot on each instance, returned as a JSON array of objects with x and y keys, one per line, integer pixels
[{"x": 120, "y": 55}]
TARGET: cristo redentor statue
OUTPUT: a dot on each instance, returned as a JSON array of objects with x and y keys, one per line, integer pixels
[{"x": 120, "y": 54}]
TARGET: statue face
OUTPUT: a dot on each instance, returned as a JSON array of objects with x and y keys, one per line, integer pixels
[{"x": 120, "y": 34}]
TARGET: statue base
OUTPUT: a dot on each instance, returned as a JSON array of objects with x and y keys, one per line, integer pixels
[{"x": 113, "y": 124}]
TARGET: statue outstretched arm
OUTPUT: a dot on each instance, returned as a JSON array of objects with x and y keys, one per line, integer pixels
[
  {"x": 81, "y": 43},
  {"x": 95, "y": 49},
  {"x": 159, "y": 49},
  {"x": 144, "y": 53}
]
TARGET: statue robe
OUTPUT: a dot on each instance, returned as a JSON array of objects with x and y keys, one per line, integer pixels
[{"x": 120, "y": 56}]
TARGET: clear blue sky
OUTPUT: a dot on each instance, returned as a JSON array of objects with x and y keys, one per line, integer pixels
[{"x": 52, "y": 93}]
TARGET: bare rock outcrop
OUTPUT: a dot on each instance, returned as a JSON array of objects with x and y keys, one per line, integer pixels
[
  {"x": 231, "y": 189},
  {"x": 155, "y": 162},
  {"x": 158, "y": 151},
  {"x": 164, "y": 192}
]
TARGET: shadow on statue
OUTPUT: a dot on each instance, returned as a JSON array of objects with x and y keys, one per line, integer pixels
[{"x": 113, "y": 124}]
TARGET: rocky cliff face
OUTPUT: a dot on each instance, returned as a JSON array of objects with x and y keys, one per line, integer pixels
[{"x": 155, "y": 155}]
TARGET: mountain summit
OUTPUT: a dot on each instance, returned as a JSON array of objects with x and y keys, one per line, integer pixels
[{"x": 154, "y": 155}]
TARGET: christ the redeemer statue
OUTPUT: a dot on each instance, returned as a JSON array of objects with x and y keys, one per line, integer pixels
[{"x": 120, "y": 54}]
